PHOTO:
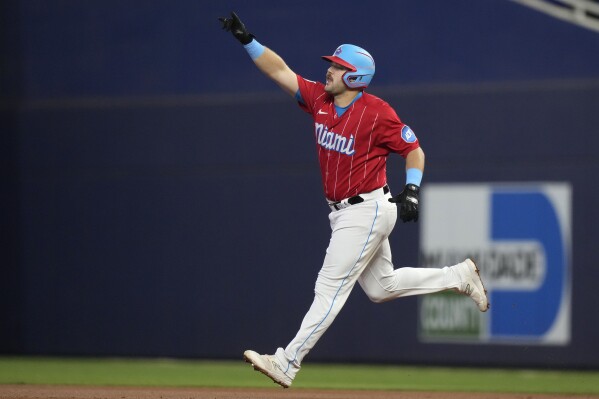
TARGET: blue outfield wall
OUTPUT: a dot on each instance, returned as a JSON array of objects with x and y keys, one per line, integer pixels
[{"x": 164, "y": 199}]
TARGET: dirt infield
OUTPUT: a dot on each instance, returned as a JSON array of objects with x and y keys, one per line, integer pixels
[{"x": 87, "y": 392}]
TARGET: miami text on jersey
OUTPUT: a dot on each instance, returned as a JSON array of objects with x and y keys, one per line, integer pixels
[{"x": 333, "y": 141}]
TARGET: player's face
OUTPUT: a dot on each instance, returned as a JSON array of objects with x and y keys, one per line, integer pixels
[{"x": 334, "y": 79}]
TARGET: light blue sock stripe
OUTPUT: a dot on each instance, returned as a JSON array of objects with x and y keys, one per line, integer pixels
[
  {"x": 339, "y": 289},
  {"x": 254, "y": 49}
]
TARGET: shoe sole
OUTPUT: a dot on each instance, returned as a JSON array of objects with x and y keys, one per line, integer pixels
[
  {"x": 482, "y": 285},
  {"x": 257, "y": 368}
]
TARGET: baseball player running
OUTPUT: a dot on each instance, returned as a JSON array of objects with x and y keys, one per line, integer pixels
[{"x": 354, "y": 133}]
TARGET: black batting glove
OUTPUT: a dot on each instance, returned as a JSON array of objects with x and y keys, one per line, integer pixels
[
  {"x": 237, "y": 28},
  {"x": 407, "y": 201}
]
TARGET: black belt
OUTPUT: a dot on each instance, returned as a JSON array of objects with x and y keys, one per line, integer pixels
[{"x": 356, "y": 199}]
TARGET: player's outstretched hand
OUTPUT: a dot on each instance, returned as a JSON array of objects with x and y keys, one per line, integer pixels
[
  {"x": 237, "y": 28},
  {"x": 407, "y": 201}
]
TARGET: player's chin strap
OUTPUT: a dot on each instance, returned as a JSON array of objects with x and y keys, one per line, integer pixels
[{"x": 337, "y": 206}]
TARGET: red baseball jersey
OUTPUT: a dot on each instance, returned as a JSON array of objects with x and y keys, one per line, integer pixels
[{"x": 353, "y": 148}]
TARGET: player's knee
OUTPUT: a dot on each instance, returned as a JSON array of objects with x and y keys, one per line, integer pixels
[{"x": 377, "y": 296}]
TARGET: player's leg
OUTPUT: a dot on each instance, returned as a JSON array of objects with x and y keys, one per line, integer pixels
[
  {"x": 382, "y": 283},
  {"x": 357, "y": 234}
]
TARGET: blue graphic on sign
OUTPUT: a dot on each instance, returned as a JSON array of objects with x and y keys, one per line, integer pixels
[
  {"x": 519, "y": 235},
  {"x": 528, "y": 216}
]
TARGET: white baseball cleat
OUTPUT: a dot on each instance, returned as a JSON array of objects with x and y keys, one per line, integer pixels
[
  {"x": 269, "y": 366},
  {"x": 472, "y": 285}
]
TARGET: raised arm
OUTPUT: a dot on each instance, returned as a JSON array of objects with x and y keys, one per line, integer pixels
[{"x": 269, "y": 62}]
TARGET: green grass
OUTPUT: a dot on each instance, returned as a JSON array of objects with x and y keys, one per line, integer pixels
[{"x": 188, "y": 373}]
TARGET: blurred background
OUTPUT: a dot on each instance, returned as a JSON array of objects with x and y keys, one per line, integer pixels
[{"x": 160, "y": 197}]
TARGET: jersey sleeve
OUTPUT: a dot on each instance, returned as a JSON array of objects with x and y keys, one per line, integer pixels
[
  {"x": 309, "y": 91},
  {"x": 396, "y": 136}
]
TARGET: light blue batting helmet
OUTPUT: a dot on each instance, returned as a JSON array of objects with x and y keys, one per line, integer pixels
[{"x": 359, "y": 62}]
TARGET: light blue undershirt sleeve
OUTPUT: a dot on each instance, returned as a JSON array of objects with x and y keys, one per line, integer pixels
[
  {"x": 298, "y": 97},
  {"x": 254, "y": 49},
  {"x": 414, "y": 176}
]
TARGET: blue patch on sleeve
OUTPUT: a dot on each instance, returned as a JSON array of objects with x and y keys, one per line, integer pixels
[{"x": 407, "y": 134}]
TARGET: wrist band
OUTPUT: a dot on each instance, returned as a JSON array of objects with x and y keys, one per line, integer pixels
[
  {"x": 254, "y": 49},
  {"x": 414, "y": 176}
]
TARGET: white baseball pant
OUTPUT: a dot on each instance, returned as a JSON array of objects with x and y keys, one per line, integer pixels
[{"x": 359, "y": 251}]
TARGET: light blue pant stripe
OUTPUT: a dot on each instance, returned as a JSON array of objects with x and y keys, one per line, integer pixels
[{"x": 339, "y": 289}]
